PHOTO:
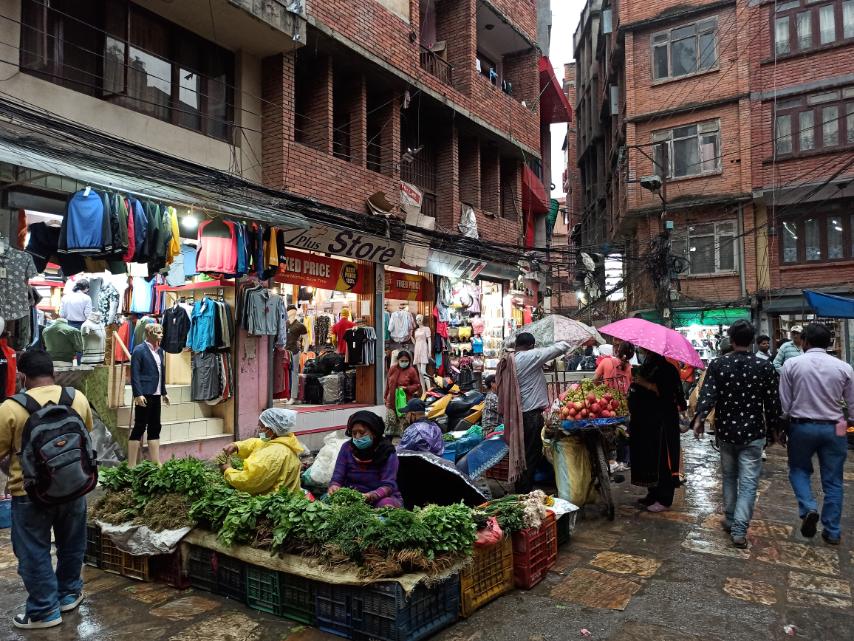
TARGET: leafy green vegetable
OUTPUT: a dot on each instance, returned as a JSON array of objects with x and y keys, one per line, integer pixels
[
  {"x": 451, "y": 529},
  {"x": 509, "y": 512},
  {"x": 115, "y": 479},
  {"x": 393, "y": 529}
]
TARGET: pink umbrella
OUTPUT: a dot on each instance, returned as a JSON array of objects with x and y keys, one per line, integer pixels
[{"x": 656, "y": 338}]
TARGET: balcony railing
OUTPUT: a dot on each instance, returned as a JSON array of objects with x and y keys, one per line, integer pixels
[{"x": 435, "y": 66}]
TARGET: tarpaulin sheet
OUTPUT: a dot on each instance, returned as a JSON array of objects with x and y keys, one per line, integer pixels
[{"x": 830, "y": 305}]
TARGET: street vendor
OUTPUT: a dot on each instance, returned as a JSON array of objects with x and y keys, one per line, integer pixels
[
  {"x": 616, "y": 371},
  {"x": 367, "y": 462},
  {"x": 270, "y": 461},
  {"x": 422, "y": 435}
]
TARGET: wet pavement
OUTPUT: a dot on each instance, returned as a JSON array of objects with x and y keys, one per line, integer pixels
[{"x": 644, "y": 577}]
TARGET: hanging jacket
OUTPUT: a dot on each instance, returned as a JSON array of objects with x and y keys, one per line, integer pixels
[
  {"x": 268, "y": 466},
  {"x": 131, "y": 245},
  {"x": 85, "y": 226},
  {"x": 140, "y": 231}
]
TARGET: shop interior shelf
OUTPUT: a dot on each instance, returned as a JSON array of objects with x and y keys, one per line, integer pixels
[{"x": 488, "y": 576}]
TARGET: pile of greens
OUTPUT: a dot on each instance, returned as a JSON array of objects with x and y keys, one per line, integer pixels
[{"x": 509, "y": 511}]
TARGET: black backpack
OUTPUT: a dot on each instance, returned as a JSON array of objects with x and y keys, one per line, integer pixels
[{"x": 58, "y": 461}]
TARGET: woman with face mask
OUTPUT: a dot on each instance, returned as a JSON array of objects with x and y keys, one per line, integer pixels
[
  {"x": 367, "y": 462},
  {"x": 270, "y": 460},
  {"x": 655, "y": 400},
  {"x": 405, "y": 375}
]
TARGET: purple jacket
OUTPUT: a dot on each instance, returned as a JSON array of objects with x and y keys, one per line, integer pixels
[{"x": 365, "y": 477}]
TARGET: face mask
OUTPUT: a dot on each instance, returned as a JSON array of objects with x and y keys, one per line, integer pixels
[
  {"x": 641, "y": 357},
  {"x": 363, "y": 442},
  {"x": 403, "y": 364},
  {"x": 263, "y": 436}
]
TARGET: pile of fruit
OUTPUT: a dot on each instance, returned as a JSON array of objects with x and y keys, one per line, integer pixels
[{"x": 586, "y": 401}]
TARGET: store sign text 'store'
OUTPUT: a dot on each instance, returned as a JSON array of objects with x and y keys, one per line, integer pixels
[{"x": 349, "y": 243}]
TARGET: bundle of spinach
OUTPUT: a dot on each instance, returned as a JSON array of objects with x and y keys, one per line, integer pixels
[
  {"x": 115, "y": 479},
  {"x": 509, "y": 512},
  {"x": 239, "y": 525},
  {"x": 143, "y": 478},
  {"x": 211, "y": 509},
  {"x": 451, "y": 530},
  {"x": 392, "y": 530},
  {"x": 188, "y": 476}
]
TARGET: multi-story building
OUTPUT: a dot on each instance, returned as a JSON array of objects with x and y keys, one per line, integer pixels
[
  {"x": 293, "y": 113},
  {"x": 663, "y": 89},
  {"x": 802, "y": 93}
]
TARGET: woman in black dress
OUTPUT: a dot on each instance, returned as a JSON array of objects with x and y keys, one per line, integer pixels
[{"x": 655, "y": 400}]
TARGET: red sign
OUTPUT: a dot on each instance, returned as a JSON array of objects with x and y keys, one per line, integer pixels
[
  {"x": 407, "y": 286},
  {"x": 322, "y": 272}
]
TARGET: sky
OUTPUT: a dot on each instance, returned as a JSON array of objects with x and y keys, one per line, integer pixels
[{"x": 565, "y": 14}]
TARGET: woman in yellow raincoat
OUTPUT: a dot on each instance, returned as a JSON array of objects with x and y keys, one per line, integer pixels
[{"x": 270, "y": 461}]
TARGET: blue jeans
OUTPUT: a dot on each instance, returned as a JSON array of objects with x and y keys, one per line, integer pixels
[
  {"x": 741, "y": 466},
  {"x": 31, "y": 527},
  {"x": 806, "y": 439}
]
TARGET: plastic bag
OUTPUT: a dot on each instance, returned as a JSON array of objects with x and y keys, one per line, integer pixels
[
  {"x": 320, "y": 473},
  {"x": 400, "y": 400},
  {"x": 573, "y": 472},
  {"x": 490, "y": 535}
]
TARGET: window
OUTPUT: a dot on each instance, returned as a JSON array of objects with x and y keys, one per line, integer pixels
[
  {"x": 710, "y": 248},
  {"x": 138, "y": 60},
  {"x": 818, "y": 122},
  {"x": 685, "y": 50},
  {"x": 817, "y": 237},
  {"x": 800, "y": 25},
  {"x": 692, "y": 150}
]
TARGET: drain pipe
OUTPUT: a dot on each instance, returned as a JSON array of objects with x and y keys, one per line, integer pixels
[{"x": 742, "y": 277}]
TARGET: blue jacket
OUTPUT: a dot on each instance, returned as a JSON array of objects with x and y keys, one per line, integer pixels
[
  {"x": 143, "y": 371},
  {"x": 86, "y": 225},
  {"x": 202, "y": 329}
]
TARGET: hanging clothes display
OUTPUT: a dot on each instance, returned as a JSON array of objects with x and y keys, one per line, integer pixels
[
  {"x": 108, "y": 303},
  {"x": 339, "y": 329},
  {"x": 94, "y": 340},
  {"x": 142, "y": 298},
  {"x": 262, "y": 313},
  {"x": 176, "y": 327},
  {"x": 217, "y": 248},
  {"x": 401, "y": 326},
  {"x": 8, "y": 370},
  {"x": 282, "y": 374},
  {"x": 210, "y": 336},
  {"x": 16, "y": 269}
]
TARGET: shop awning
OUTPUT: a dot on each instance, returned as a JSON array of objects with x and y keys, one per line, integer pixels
[
  {"x": 686, "y": 317},
  {"x": 554, "y": 106},
  {"x": 830, "y": 305}
]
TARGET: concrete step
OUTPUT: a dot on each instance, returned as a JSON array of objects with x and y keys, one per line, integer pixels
[
  {"x": 177, "y": 394},
  {"x": 185, "y": 431},
  {"x": 175, "y": 412}
]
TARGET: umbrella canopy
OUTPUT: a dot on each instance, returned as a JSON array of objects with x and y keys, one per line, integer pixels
[
  {"x": 656, "y": 338},
  {"x": 554, "y": 328},
  {"x": 424, "y": 478}
]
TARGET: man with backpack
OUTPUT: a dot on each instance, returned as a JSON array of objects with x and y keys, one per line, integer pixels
[{"x": 46, "y": 432}]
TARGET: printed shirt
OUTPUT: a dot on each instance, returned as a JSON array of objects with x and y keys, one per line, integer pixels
[
  {"x": 743, "y": 391},
  {"x": 16, "y": 269}
]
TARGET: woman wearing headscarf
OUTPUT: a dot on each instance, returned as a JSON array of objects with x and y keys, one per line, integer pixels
[
  {"x": 367, "y": 462},
  {"x": 270, "y": 461},
  {"x": 655, "y": 400},
  {"x": 400, "y": 375}
]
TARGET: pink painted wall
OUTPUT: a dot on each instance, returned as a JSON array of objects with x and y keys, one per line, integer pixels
[{"x": 252, "y": 383}]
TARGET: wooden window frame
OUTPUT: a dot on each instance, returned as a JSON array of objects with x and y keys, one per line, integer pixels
[
  {"x": 796, "y": 106},
  {"x": 838, "y": 212},
  {"x": 668, "y": 44},
  {"x": 791, "y": 10}
]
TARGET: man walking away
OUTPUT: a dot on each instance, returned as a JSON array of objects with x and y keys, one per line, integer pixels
[
  {"x": 742, "y": 390},
  {"x": 790, "y": 349},
  {"x": 812, "y": 388},
  {"x": 529, "y": 362},
  {"x": 50, "y": 591},
  {"x": 763, "y": 347}
]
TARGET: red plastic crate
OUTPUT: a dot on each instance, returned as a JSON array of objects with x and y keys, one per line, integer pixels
[
  {"x": 500, "y": 471},
  {"x": 169, "y": 569},
  {"x": 534, "y": 553}
]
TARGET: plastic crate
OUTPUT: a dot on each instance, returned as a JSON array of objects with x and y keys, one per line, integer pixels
[
  {"x": 92, "y": 556},
  {"x": 112, "y": 557},
  {"x": 264, "y": 590},
  {"x": 382, "y": 612},
  {"x": 566, "y": 526},
  {"x": 169, "y": 569},
  {"x": 500, "y": 471},
  {"x": 488, "y": 576},
  {"x": 298, "y": 598},
  {"x": 534, "y": 553},
  {"x": 136, "y": 567},
  {"x": 217, "y": 573}
]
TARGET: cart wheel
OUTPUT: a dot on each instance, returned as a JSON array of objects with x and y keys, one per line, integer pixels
[{"x": 604, "y": 477}]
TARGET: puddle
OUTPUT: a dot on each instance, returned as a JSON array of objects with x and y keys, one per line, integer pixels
[
  {"x": 626, "y": 564},
  {"x": 595, "y": 589}
]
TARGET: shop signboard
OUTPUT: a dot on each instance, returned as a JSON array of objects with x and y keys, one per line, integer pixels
[
  {"x": 453, "y": 266},
  {"x": 347, "y": 243},
  {"x": 321, "y": 272},
  {"x": 407, "y": 287}
]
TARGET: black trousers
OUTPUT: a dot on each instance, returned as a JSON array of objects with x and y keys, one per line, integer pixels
[
  {"x": 147, "y": 419},
  {"x": 532, "y": 424}
]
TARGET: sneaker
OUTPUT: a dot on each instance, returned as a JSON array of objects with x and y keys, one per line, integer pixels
[
  {"x": 24, "y": 621},
  {"x": 829, "y": 539},
  {"x": 808, "y": 524},
  {"x": 764, "y": 455},
  {"x": 657, "y": 507},
  {"x": 618, "y": 467},
  {"x": 739, "y": 541},
  {"x": 70, "y": 601},
  {"x": 646, "y": 501}
]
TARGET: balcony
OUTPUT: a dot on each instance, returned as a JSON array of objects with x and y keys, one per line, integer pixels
[{"x": 436, "y": 66}]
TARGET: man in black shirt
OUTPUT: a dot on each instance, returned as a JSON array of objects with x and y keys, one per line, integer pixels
[{"x": 743, "y": 391}]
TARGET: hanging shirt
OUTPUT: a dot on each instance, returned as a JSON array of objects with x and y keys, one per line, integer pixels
[
  {"x": 86, "y": 224},
  {"x": 142, "y": 299},
  {"x": 189, "y": 254},
  {"x": 356, "y": 339},
  {"x": 339, "y": 329},
  {"x": 173, "y": 249},
  {"x": 217, "y": 249},
  {"x": 8, "y": 370},
  {"x": 16, "y": 269},
  {"x": 176, "y": 326}
]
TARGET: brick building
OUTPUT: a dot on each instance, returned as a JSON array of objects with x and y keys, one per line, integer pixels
[{"x": 689, "y": 93}]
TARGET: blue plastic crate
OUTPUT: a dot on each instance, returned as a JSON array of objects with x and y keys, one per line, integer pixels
[{"x": 381, "y": 611}]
